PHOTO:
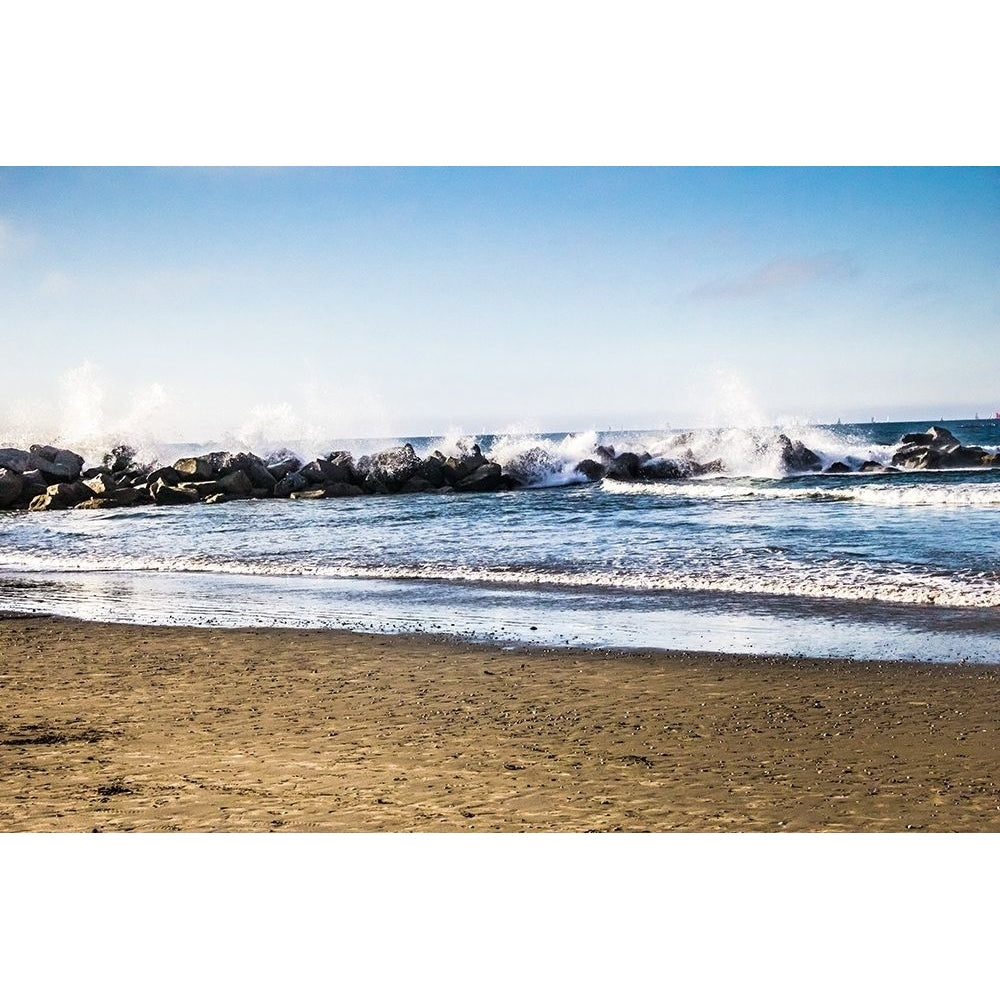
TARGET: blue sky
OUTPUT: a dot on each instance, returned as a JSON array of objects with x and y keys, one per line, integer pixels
[{"x": 408, "y": 301}]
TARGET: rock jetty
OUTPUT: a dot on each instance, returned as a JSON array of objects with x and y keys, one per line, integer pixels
[
  {"x": 938, "y": 448},
  {"x": 49, "y": 478}
]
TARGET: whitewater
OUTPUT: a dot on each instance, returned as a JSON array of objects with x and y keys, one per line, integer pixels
[{"x": 745, "y": 557}]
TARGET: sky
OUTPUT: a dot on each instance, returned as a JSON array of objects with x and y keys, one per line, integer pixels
[{"x": 192, "y": 304}]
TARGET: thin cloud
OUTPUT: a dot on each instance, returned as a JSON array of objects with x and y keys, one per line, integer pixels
[{"x": 780, "y": 274}]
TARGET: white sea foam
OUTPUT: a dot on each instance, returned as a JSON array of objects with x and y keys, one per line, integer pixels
[
  {"x": 878, "y": 494},
  {"x": 538, "y": 461},
  {"x": 841, "y": 580}
]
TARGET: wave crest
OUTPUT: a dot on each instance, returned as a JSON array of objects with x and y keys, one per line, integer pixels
[{"x": 840, "y": 580}]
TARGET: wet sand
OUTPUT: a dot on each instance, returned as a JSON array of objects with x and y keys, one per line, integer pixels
[{"x": 116, "y": 727}]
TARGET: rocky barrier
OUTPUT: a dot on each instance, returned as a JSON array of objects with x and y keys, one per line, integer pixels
[{"x": 49, "y": 478}]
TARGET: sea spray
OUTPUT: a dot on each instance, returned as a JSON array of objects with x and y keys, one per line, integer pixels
[
  {"x": 90, "y": 416},
  {"x": 931, "y": 493},
  {"x": 541, "y": 461},
  {"x": 320, "y": 419}
]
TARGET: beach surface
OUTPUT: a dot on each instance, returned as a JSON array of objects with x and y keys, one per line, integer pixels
[{"x": 117, "y": 727}]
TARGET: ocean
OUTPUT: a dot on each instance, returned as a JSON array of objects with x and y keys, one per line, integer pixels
[{"x": 892, "y": 566}]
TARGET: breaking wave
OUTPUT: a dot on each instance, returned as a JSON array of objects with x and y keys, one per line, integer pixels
[
  {"x": 839, "y": 579},
  {"x": 878, "y": 494},
  {"x": 92, "y": 419},
  {"x": 731, "y": 453}
]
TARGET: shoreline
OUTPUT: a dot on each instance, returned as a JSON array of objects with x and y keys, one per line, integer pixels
[
  {"x": 539, "y": 618},
  {"x": 135, "y": 727}
]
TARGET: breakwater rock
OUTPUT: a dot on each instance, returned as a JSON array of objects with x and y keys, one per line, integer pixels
[
  {"x": 45, "y": 477},
  {"x": 938, "y": 448}
]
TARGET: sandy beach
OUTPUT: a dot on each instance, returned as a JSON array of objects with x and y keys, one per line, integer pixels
[{"x": 115, "y": 727}]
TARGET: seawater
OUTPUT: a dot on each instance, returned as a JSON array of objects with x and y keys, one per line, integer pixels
[{"x": 890, "y": 566}]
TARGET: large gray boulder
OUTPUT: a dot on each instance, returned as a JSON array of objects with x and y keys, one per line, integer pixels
[
  {"x": 591, "y": 469},
  {"x": 393, "y": 467},
  {"x": 71, "y": 494},
  {"x": 963, "y": 457},
  {"x": 200, "y": 467},
  {"x": 207, "y": 466},
  {"x": 627, "y": 465},
  {"x": 915, "y": 455},
  {"x": 61, "y": 496},
  {"x": 461, "y": 467},
  {"x": 373, "y": 485},
  {"x": 919, "y": 456},
  {"x": 33, "y": 484},
  {"x": 164, "y": 494},
  {"x": 532, "y": 466},
  {"x": 487, "y": 477},
  {"x": 665, "y": 468},
  {"x": 282, "y": 468},
  {"x": 714, "y": 467},
  {"x": 431, "y": 470},
  {"x": 11, "y": 485},
  {"x": 796, "y": 457},
  {"x": 46, "y": 501},
  {"x": 57, "y": 472},
  {"x": 16, "y": 460},
  {"x": 343, "y": 490},
  {"x": 941, "y": 437},
  {"x": 936, "y": 448},
  {"x": 294, "y": 482},
  {"x": 62, "y": 463},
  {"x": 99, "y": 484},
  {"x": 167, "y": 474},
  {"x": 251, "y": 466},
  {"x": 236, "y": 483},
  {"x": 204, "y": 488},
  {"x": 321, "y": 470},
  {"x": 61, "y": 467},
  {"x": 130, "y": 496},
  {"x": 416, "y": 484},
  {"x": 315, "y": 471},
  {"x": 346, "y": 471}
]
